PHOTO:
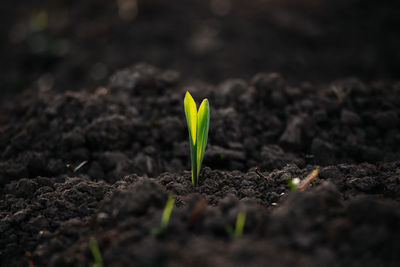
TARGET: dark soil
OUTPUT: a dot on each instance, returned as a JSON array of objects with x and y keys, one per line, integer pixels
[
  {"x": 135, "y": 127},
  {"x": 266, "y": 128},
  {"x": 340, "y": 222}
]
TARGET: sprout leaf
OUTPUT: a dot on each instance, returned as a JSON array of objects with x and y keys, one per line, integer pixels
[
  {"x": 165, "y": 217},
  {"x": 203, "y": 122},
  {"x": 198, "y": 126}
]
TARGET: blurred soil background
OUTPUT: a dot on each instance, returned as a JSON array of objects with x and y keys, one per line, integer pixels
[{"x": 77, "y": 44}]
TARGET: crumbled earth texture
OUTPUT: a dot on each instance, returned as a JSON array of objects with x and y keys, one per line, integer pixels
[
  {"x": 263, "y": 132},
  {"x": 136, "y": 124},
  {"x": 93, "y": 142}
]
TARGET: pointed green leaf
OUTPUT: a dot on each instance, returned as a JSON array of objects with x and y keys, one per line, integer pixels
[
  {"x": 191, "y": 118},
  {"x": 240, "y": 221},
  {"x": 203, "y": 122},
  {"x": 167, "y": 211},
  {"x": 94, "y": 247}
]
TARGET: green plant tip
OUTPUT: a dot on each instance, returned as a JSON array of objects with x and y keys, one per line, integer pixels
[
  {"x": 94, "y": 247},
  {"x": 198, "y": 122},
  {"x": 240, "y": 222},
  {"x": 239, "y": 227},
  {"x": 293, "y": 183},
  {"x": 165, "y": 217},
  {"x": 167, "y": 212}
]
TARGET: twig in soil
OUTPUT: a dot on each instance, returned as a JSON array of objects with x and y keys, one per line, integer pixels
[
  {"x": 198, "y": 210},
  {"x": 340, "y": 93},
  {"x": 259, "y": 173},
  {"x": 74, "y": 170},
  {"x": 29, "y": 258},
  {"x": 306, "y": 182}
]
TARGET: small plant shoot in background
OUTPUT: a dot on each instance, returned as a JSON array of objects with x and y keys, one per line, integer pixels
[
  {"x": 94, "y": 248},
  {"x": 198, "y": 124},
  {"x": 165, "y": 217},
  {"x": 293, "y": 183},
  {"x": 239, "y": 227}
]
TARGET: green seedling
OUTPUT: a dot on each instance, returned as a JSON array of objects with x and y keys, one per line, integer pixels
[
  {"x": 198, "y": 124},
  {"x": 94, "y": 247},
  {"x": 239, "y": 227},
  {"x": 165, "y": 217},
  {"x": 293, "y": 183}
]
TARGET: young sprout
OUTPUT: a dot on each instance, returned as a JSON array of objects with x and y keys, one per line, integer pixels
[
  {"x": 94, "y": 247},
  {"x": 165, "y": 217},
  {"x": 240, "y": 222},
  {"x": 198, "y": 123},
  {"x": 293, "y": 183}
]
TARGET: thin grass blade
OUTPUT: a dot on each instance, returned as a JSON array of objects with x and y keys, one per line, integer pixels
[
  {"x": 240, "y": 221},
  {"x": 203, "y": 122},
  {"x": 94, "y": 247},
  {"x": 167, "y": 212}
]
